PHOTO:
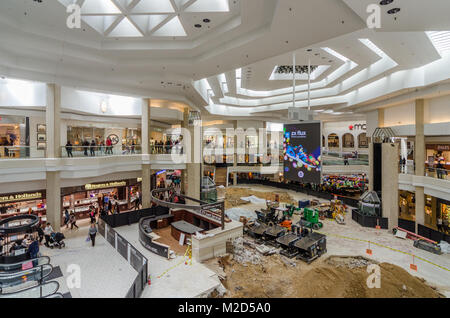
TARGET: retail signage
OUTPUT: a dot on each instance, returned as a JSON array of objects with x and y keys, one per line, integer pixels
[
  {"x": 302, "y": 152},
  {"x": 439, "y": 147},
  {"x": 105, "y": 185},
  {"x": 21, "y": 197},
  {"x": 358, "y": 127}
]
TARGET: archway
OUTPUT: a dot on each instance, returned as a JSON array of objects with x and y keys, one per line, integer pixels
[
  {"x": 348, "y": 141},
  {"x": 363, "y": 141},
  {"x": 333, "y": 141}
]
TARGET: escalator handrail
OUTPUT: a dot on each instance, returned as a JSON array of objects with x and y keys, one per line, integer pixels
[
  {"x": 23, "y": 262},
  {"x": 25, "y": 272},
  {"x": 35, "y": 287},
  {"x": 55, "y": 294}
]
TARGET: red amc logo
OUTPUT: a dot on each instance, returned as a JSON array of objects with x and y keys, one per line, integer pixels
[{"x": 358, "y": 126}]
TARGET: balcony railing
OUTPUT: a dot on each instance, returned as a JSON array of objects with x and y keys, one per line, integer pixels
[
  {"x": 21, "y": 152},
  {"x": 437, "y": 173},
  {"x": 431, "y": 172},
  {"x": 117, "y": 150}
]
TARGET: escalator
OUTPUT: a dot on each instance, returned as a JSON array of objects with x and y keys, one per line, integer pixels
[
  {"x": 45, "y": 290},
  {"x": 37, "y": 274},
  {"x": 17, "y": 267}
]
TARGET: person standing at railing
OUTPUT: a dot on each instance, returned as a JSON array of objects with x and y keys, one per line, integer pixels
[
  {"x": 93, "y": 145},
  {"x": 108, "y": 146},
  {"x": 85, "y": 147},
  {"x": 69, "y": 149},
  {"x": 440, "y": 170}
]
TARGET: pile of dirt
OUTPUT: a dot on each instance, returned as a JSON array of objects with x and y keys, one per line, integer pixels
[
  {"x": 332, "y": 277},
  {"x": 233, "y": 196}
]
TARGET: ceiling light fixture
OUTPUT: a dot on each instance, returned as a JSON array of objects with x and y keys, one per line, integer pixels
[
  {"x": 385, "y": 2},
  {"x": 394, "y": 11}
]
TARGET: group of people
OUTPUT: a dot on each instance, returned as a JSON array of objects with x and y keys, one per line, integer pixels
[
  {"x": 4, "y": 144},
  {"x": 165, "y": 147},
  {"x": 29, "y": 244},
  {"x": 90, "y": 148}
]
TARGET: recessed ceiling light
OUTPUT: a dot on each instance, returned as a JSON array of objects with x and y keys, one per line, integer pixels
[
  {"x": 394, "y": 11},
  {"x": 198, "y": 26},
  {"x": 385, "y": 2},
  {"x": 309, "y": 50},
  {"x": 206, "y": 20}
]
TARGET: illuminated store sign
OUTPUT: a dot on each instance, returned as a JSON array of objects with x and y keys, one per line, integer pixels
[
  {"x": 358, "y": 127},
  {"x": 105, "y": 185},
  {"x": 21, "y": 197}
]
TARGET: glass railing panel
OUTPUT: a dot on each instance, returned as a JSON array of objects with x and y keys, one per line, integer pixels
[{"x": 21, "y": 152}]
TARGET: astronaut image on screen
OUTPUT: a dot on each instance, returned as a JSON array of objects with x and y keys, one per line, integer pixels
[{"x": 302, "y": 153}]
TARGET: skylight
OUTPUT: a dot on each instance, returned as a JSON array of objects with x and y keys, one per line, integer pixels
[
  {"x": 336, "y": 54},
  {"x": 440, "y": 40},
  {"x": 138, "y": 18},
  {"x": 373, "y": 47}
]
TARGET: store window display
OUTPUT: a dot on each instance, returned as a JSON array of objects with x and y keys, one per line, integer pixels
[
  {"x": 407, "y": 206},
  {"x": 443, "y": 216},
  {"x": 333, "y": 141},
  {"x": 348, "y": 141}
]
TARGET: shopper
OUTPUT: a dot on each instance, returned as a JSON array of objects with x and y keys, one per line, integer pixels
[
  {"x": 108, "y": 146},
  {"x": 66, "y": 218},
  {"x": 92, "y": 214},
  {"x": 93, "y": 233},
  {"x": 73, "y": 221},
  {"x": 86, "y": 147},
  {"x": 440, "y": 170},
  {"x": 33, "y": 251},
  {"x": 92, "y": 148},
  {"x": 40, "y": 233},
  {"x": 47, "y": 233},
  {"x": 69, "y": 149}
]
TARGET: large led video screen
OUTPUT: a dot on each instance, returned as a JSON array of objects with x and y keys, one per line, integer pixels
[{"x": 302, "y": 152}]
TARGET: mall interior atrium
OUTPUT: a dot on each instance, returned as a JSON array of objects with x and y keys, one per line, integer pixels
[{"x": 224, "y": 149}]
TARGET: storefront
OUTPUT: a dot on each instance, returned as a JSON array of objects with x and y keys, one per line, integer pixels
[
  {"x": 438, "y": 153},
  {"x": 443, "y": 214},
  {"x": 407, "y": 206},
  {"x": 14, "y": 134},
  {"x": 80, "y": 199},
  {"x": 13, "y": 204},
  {"x": 165, "y": 178}
]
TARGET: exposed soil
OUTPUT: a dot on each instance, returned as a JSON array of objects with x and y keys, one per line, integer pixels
[
  {"x": 166, "y": 238},
  {"x": 233, "y": 196},
  {"x": 335, "y": 277}
]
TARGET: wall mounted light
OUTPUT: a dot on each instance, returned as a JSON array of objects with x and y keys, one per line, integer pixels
[{"x": 104, "y": 106}]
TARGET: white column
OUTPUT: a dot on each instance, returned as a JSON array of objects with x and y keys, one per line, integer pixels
[
  {"x": 389, "y": 186},
  {"x": 419, "y": 158},
  {"x": 146, "y": 166},
  {"x": 193, "y": 173},
  {"x": 53, "y": 181}
]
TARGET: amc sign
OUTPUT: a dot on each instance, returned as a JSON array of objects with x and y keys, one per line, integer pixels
[{"x": 358, "y": 127}]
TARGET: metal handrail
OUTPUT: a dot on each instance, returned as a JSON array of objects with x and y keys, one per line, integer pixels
[
  {"x": 4, "y": 267},
  {"x": 20, "y": 293},
  {"x": 25, "y": 273}
]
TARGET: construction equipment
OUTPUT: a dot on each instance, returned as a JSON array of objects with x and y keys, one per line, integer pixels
[
  {"x": 311, "y": 247},
  {"x": 310, "y": 219},
  {"x": 287, "y": 243},
  {"x": 272, "y": 233},
  {"x": 428, "y": 246},
  {"x": 419, "y": 241},
  {"x": 338, "y": 211}
]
